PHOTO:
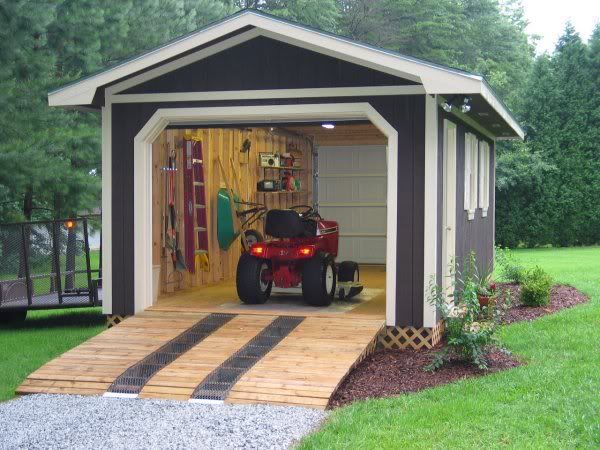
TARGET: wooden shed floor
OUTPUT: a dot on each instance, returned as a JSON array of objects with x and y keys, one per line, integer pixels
[
  {"x": 222, "y": 297},
  {"x": 303, "y": 369}
]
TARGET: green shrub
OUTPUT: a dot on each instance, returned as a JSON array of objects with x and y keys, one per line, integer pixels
[
  {"x": 470, "y": 329},
  {"x": 535, "y": 288},
  {"x": 510, "y": 270}
]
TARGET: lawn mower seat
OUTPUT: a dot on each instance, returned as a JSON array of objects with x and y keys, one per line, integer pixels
[{"x": 287, "y": 223}]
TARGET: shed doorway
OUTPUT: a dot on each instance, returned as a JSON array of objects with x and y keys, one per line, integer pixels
[
  {"x": 213, "y": 291},
  {"x": 340, "y": 171}
]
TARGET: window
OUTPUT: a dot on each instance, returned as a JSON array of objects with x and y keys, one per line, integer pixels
[
  {"x": 484, "y": 177},
  {"x": 471, "y": 166}
]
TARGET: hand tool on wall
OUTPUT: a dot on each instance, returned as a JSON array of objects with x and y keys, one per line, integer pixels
[{"x": 176, "y": 255}]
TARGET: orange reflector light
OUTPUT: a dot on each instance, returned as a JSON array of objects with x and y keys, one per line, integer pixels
[
  {"x": 70, "y": 224},
  {"x": 305, "y": 251},
  {"x": 257, "y": 250}
]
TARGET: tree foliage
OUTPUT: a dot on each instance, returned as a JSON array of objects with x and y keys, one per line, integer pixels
[{"x": 546, "y": 187}]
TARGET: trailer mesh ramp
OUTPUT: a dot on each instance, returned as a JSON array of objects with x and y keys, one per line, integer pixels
[
  {"x": 219, "y": 382},
  {"x": 135, "y": 377}
]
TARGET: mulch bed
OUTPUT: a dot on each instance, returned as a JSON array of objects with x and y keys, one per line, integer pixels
[
  {"x": 392, "y": 372},
  {"x": 561, "y": 296}
]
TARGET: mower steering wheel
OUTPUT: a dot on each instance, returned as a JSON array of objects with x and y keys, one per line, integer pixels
[{"x": 308, "y": 211}]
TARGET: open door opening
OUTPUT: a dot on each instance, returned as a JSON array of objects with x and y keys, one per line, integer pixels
[{"x": 340, "y": 171}]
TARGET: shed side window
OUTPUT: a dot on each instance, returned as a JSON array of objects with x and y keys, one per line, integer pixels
[
  {"x": 484, "y": 177},
  {"x": 471, "y": 166}
]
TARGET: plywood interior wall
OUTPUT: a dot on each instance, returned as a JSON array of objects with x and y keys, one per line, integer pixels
[{"x": 226, "y": 144}]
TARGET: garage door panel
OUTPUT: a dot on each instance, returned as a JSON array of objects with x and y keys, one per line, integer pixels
[
  {"x": 366, "y": 250},
  {"x": 352, "y": 159},
  {"x": 371, "y": 189},
  {"x": 372, "y": 159},
  {"x": 336, "y": 190},
  {"x": 352, "y": 220},
  {"x": 352, "y": 190}
]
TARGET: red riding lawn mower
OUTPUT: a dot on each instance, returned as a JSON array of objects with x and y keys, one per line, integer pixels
[{"x": 301, "y": 253}]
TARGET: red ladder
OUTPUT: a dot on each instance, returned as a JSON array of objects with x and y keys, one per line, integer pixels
[{"x": 195, "y": 201}]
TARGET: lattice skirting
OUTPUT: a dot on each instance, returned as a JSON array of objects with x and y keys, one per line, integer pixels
[
  {"x": 411, "y": 337},
  {"x": 112, "y": 320}
]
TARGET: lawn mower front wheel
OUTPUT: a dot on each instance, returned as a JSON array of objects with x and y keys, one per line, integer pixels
[
  {"x": 319, "y": 280},
  {"x": 253, "y": 279}
]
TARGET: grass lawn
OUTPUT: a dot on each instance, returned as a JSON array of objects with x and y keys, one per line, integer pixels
[
  {"x": 552, "y": 402},
  {"x": 44, "y": 335}
]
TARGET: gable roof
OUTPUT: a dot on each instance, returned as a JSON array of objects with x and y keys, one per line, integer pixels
[{"x": 435, "y": 78}]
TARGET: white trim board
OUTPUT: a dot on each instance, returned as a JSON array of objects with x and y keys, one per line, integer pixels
[
  {"x": 267, "y": 113},
  {"x": 435, "y": 79},
  {"x": 107, "y": 209},
  {"x": 430, "y": 246},
  {"x": 259, "y": 94}
]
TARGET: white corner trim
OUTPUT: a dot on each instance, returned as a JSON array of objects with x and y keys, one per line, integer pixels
[
  {"x": 256, "y": 114},
  {"x": 107, "y": 209},
  {"x": 430, "y": 207},
  {"x": 268, "y": 94}
]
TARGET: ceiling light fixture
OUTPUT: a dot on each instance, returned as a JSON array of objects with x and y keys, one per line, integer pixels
[{"x": 329, "y": 126}]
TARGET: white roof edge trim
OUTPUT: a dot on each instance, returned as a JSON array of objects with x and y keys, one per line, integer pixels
[
  {"x": 435, "y": 79},
  {"x": 498, "y": 106}
]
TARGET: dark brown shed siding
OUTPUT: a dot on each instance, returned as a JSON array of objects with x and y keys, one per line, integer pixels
[
  {"x": 405, "y": 113},
  {"x": 263, "y": 63},
  {"x": 471, "y": 235}
]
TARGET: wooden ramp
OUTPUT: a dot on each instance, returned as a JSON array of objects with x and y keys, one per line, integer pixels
[{"x": 304, "y": 368}]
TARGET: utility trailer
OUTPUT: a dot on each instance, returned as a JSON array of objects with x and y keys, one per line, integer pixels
[{"x": 47, "y": 265}]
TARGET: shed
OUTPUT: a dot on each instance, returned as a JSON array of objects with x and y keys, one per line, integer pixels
[{"x": 407, "y": 170}]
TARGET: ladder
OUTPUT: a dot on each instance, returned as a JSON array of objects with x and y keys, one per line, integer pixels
[{"x": 196, "y": 230}]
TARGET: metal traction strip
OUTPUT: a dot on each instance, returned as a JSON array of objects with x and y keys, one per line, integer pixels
[
  {"x": 216, "y": 386},
  {"x": 132, "y": 381}
]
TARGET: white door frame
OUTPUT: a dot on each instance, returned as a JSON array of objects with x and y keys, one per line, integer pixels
[
  {"x": 266, "y": 114},
  {"x": 449, "y": 203}
]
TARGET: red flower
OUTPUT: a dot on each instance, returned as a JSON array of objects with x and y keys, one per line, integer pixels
[{"x": 493, "y": 287}]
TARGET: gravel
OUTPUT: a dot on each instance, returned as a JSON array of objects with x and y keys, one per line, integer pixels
[{"x": 70, "y": 421}]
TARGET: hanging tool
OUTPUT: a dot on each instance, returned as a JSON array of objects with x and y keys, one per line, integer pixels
[
  {"x": 230, "y": 211},
  {"x": 176, "y": 255}
]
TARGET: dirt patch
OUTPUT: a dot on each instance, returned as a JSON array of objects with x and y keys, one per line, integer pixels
[
  {"x": 392, "y": 372},
  {"x": 561, "y": 296}
]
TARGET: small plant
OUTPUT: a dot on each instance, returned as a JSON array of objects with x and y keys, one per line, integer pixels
[
  {"x": 535, "y": 288},
  {"x": 470, "y": 328},
  {"x": 510, "y": 269}
]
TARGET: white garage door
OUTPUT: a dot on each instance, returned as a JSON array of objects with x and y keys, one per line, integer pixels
[{"x": 352, "y": 187}]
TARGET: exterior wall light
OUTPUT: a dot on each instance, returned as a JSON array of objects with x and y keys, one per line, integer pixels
[
  {"x": 465, "y": 107},
  {"x": 329, "y": 126}
]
